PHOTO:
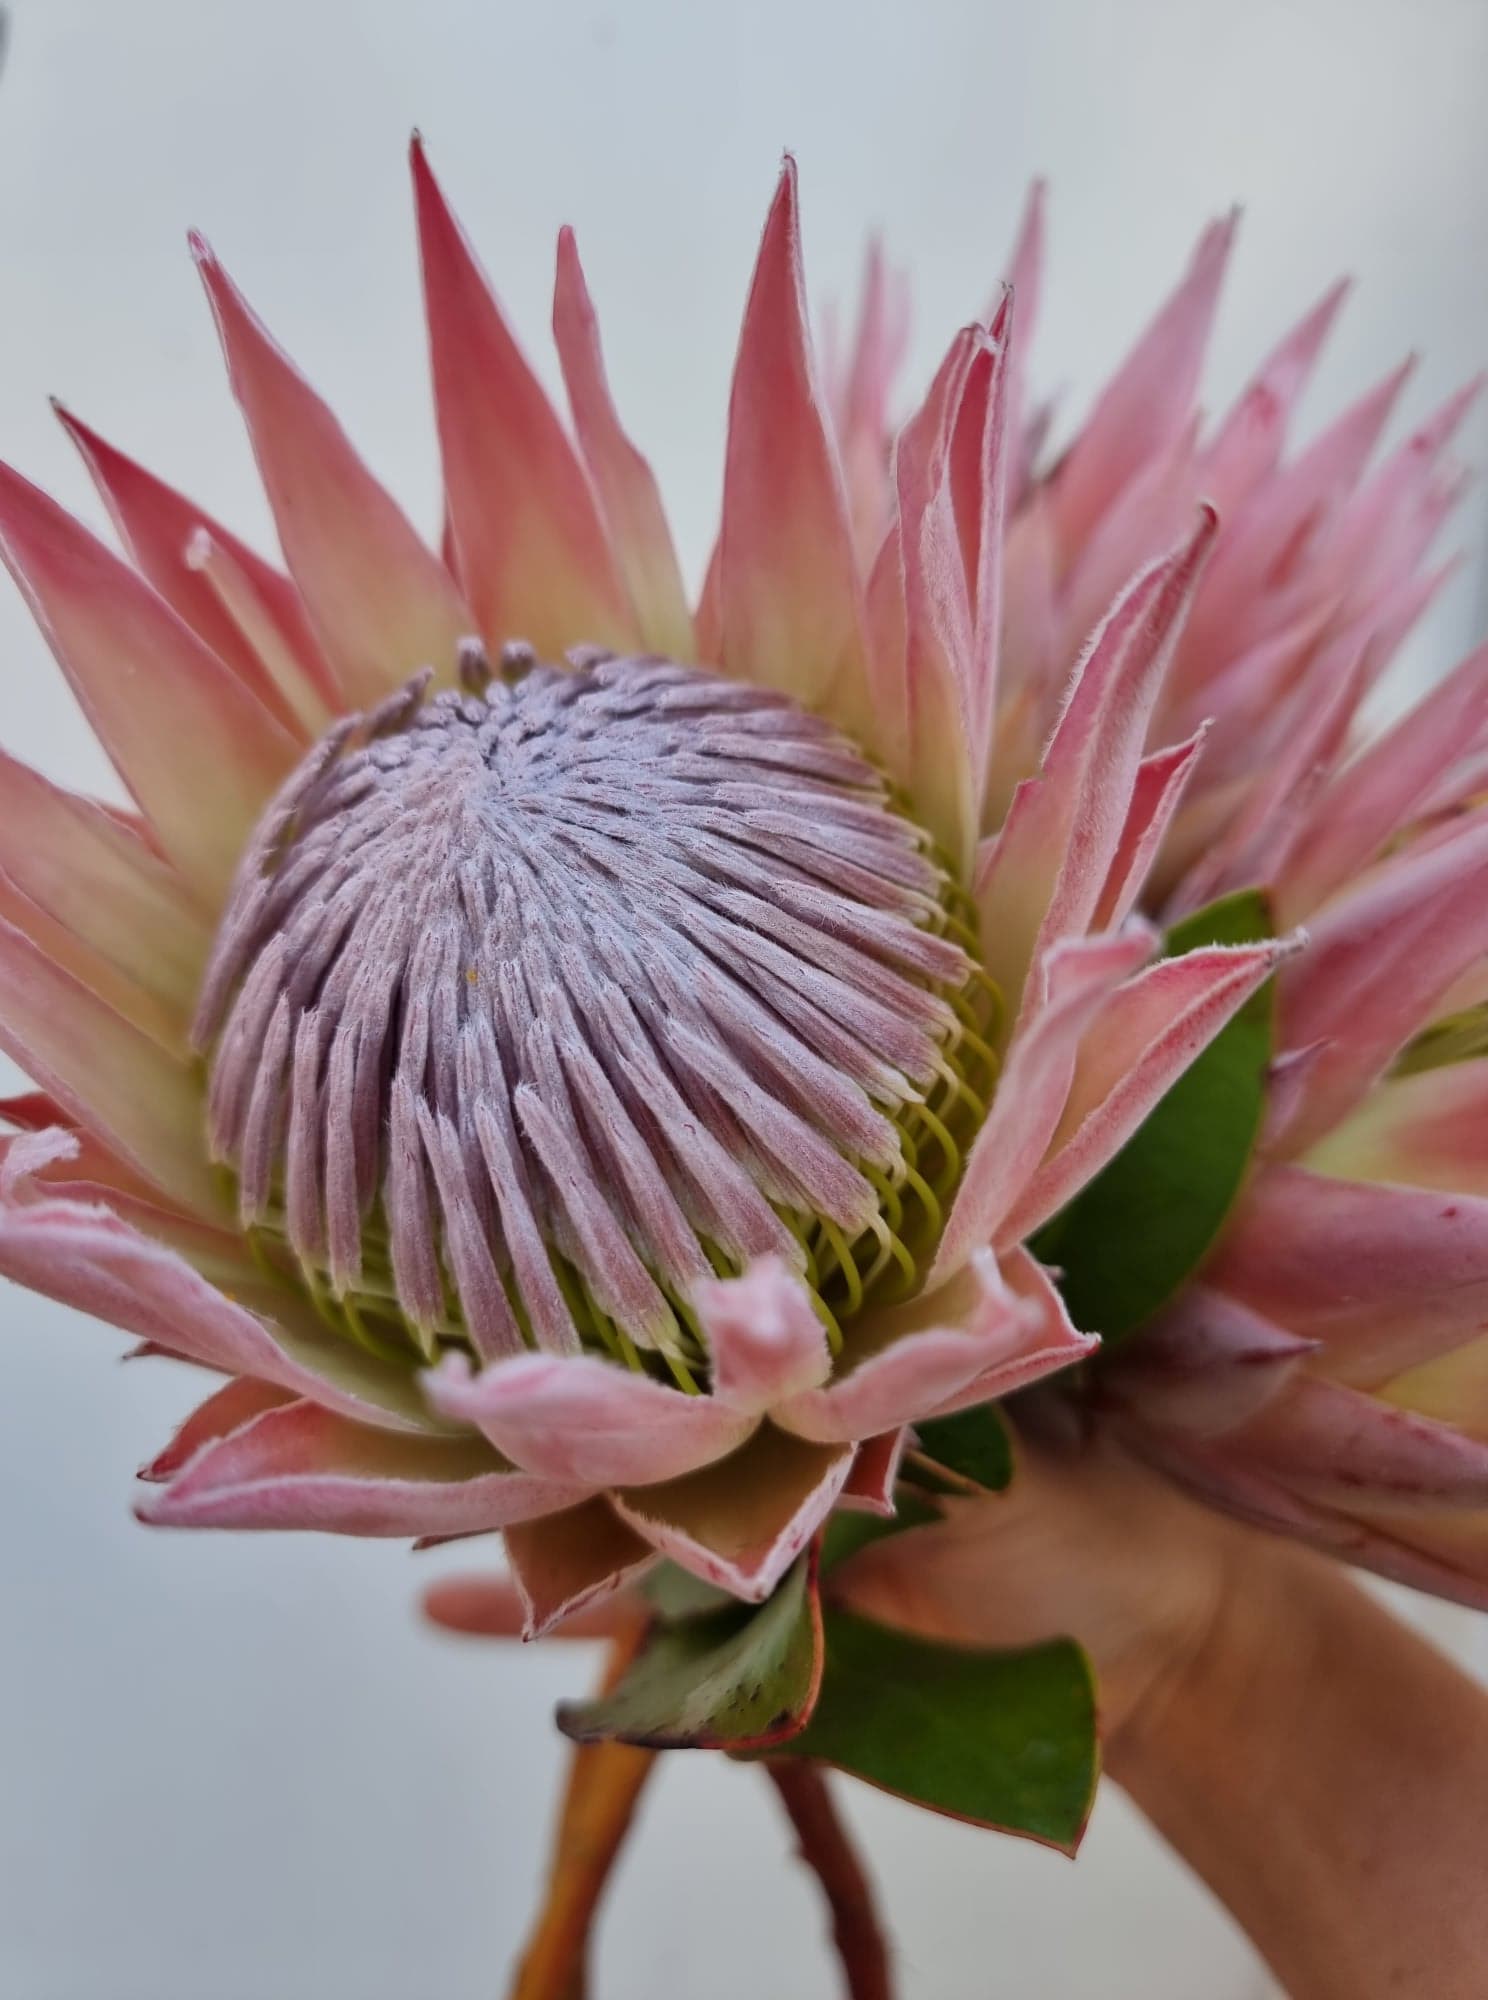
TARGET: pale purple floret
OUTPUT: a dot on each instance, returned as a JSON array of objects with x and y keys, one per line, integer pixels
[{"x": 616, "y": 960}]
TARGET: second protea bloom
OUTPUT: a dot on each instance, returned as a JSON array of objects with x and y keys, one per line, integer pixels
[
  {"x": 1328, "y": 1373},
  {"x": 570, "y": 1065}
]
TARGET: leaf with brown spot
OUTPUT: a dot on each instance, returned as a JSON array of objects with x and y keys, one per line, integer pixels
[{"x": 742, "y": 1678}]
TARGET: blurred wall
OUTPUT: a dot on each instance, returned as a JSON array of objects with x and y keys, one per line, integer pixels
[{"x": 234, "y": 1769}]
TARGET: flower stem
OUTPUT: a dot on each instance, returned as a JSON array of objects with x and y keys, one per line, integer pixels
[
  {"x": 825, "y": 1848},
  {"x": 605, "y": 1781}
]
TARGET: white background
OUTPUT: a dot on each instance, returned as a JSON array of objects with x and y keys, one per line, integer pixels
[{"x": 235, "y": 1769}]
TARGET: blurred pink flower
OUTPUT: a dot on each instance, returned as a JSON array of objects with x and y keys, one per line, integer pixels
[{"x": 1329, "y": 1374}]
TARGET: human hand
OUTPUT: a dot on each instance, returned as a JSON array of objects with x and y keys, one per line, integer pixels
[
  {"x": 1319, "y": 1764},
  {"x": 1085, "y": 1543}
]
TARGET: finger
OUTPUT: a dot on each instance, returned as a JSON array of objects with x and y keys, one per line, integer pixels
[
  {"x": 982, "y": 1577},
  {"x": 1085, "y": 1544},
  {"x": 490, "y": 1607}
]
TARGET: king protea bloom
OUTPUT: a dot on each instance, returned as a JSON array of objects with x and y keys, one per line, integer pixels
[
  {"x": 571, "y": 1063},
  {"x": 1327, "y": 1375}
]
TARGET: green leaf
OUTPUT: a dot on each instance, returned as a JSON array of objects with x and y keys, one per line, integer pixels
[
  {"x": 1005, "y": 1740},
  {"x": 975, "y": 1445},
  {"x": 673, "y": 1593},
  {"x": 740, "y": 1678},
  {"x": 704, "y": 1635},
  {"x": 1127, "y": 1241}
]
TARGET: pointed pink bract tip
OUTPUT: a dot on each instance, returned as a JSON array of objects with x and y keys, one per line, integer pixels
[
  {"x": 88, "y": 441},
  {"x": 1212, "y": 251},
  {"x": 569, "y": 277}
]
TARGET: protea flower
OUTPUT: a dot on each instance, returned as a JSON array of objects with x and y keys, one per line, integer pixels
[
  {"x": 1328, "y": 1374},
  {"x": 573, "y": 1066}
]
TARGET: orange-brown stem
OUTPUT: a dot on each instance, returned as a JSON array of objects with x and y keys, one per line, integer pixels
[
  {"x": 825, "y": 1848},
  {"x": 604, "y": 1787}
]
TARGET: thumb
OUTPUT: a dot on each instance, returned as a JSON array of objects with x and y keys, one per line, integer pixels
[
  {"x": 1085, "y": 1544},
  {"x": 993, "y": 1572}
]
